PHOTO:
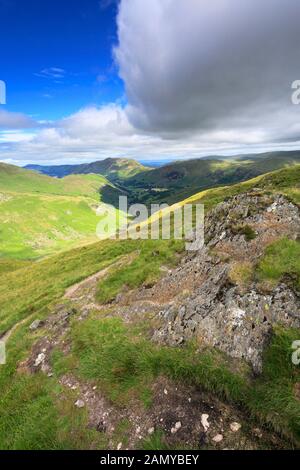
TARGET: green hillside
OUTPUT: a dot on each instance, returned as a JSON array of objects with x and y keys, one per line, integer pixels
[
  {"x": 115, "y": 169},
  {"x": 40, "y": 215},
  {"x": 177, "y": 181},
  {"x": 118, "y": 358},
  {"x": 18, "y": 180}
]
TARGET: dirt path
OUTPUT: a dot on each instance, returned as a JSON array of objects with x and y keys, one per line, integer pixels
[
  {"x": 6, "y": 336},
  {"x": 72, "y": 292},
  {"x": 89, "y": 284},
  {"x": 76, "y": 291}
]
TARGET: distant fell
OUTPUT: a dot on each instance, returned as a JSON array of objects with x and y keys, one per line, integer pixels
[{"x": 115, "y": 169}]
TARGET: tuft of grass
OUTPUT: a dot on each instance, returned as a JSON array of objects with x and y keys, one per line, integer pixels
[
  {"x": 282, "y": 258},
  {"x": 125, "y": 364},
  {"x": 272, "y": 399},
  {"x": 36, "y": 414},
  {"x": 155, "y": 442},
  {"x": 241, "y": 273},
  {"x": 143, "y": 270},
  {"x": 245, "y": 230}
]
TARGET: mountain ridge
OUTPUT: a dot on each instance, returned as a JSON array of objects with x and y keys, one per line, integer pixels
[{"x": 178, "y": 180}]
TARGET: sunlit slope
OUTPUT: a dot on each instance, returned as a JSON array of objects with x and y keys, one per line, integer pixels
[
  {"x": 40, "y": 215},
  {"x": 115, "y": 169},
  {"x": 179, "y": 180},
  {"x": 285, "y": 181},
  {"x": 17, "y": 180}
]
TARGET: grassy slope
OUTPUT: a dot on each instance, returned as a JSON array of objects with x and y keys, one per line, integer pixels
[
  {"x": 40, "y": 215},
  {"x": 115, "y": 169},
  {"x": 69, "y": 267},
  {"x": 33, "y": 412},
  {"x": 17, "y": 180}
]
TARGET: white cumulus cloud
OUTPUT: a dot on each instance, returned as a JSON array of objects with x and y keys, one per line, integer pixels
[{"x": 201, "y": 77}]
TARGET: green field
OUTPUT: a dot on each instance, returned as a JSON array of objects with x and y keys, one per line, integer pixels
[{"x": 40, "y": 215}]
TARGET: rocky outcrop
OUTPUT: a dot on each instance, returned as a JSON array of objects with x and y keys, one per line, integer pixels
[{"x": 236, "y": 319}]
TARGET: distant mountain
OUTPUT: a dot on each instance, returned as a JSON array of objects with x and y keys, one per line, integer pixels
[
  {"x": 179, "y": 180},
  {"x": 115, "y": 169}
]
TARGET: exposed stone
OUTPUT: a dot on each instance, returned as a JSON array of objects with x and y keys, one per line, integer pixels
[
  {"x": 80, "y": 404},
  {"x": 204, "y": 422},
  {"x": 257, "y": 432},
  {"x": 236, "y": 321},
  {"x": 39, "y": 360},
  {"x": 35, "y": 325},
  {"x": 218, "y": 438},
  {"x": 235, "y": 427},
  {"x": 176, "y": 428}
]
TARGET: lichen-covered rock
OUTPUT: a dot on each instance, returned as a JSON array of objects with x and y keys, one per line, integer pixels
[{"x": 238, "y": 322}]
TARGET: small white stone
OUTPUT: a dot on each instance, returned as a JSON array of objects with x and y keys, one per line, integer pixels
[
  {"x": 204, "y": 422},
  {"x": 165, "y": 391},
  {"x": 151, "y": 431},
  {"x": 218, "y": 438},
  {"x": 80, "y": 404},
  {"x": 176, "y": 428},
  {"x": 119, "y": 446},
  {"x": 95, "y": 388},
  {"x": 235, "y": 427},
  {"x": 223, "y": 235},
  {"x": 35, "y": 325},
  {"x": 39, "y": 360}
]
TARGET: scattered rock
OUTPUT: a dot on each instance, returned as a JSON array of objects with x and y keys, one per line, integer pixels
[
  {"x": 235, "y": 316},
  {"x": 176, "y": 428},
  {"x": 235, "y": 427},
  {"x": 257, "y": 432},
  {"x": 35, "y": 325},
  {"x": 39, "y": 360},
  {"x": 151, "y": 431},
  {"x": 120, "y": 445},
  {"x": 80, "y": 404},
  {"x": 204, "y": 422},
  {"x": 218, "y": 438}
]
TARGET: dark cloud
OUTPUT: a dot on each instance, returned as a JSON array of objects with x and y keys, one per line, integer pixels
[{"x": 198, "y": 67}]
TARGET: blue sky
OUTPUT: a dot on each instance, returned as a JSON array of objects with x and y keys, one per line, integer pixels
[
  {"x": 147, "y": 79},
  {"x": 75, "y": 37}
]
